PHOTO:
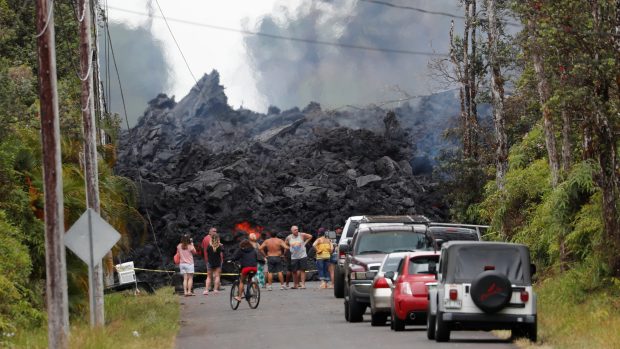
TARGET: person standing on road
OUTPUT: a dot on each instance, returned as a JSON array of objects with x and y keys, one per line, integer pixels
[
  {"x": 274, "y": 248},
  {"x": 205, "y": 250},
  {"x": 247, "y": 257},
  {"x": 299, "y": 258},
  {"x": 323, "y": 247},
  {"x": 214, "y": 263},
  {"x": 260, "y": 276},
  {"x": 186, "y": 250}
]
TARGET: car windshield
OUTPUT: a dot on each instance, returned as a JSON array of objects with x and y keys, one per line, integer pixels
[
  {"x": 390, "y": 241},
  {"x": 421, "y": 265},
  {"x": 391, "y": 263}
]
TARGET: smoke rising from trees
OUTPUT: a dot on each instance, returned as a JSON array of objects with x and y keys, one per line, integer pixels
[{"x": 142, "y": 65}]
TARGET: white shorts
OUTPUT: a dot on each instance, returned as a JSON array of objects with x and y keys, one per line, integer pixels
[{"x": 186, "y": 268}]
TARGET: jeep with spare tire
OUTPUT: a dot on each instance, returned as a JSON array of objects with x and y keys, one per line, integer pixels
[{"x": 482, "y": 286}]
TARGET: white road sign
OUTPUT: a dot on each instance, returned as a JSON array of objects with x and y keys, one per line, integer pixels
[{"x": 104, "y": 237}]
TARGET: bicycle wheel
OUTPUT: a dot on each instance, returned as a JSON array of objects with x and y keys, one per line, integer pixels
[
  {"x": 253, "y": 295},
  {"x": 234, "y": 292}
]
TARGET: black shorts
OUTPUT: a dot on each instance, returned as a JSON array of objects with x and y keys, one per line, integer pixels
[
  {"x": 274, "y": 264},
  {"x": 299, "y": 264}
]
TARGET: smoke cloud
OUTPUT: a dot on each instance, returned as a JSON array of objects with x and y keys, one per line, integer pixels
[
  {"x": 142, "y": 65},
  {"x": 292, "y": 73}
]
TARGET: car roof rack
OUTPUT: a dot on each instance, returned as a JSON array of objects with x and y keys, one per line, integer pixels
[
  {"x": 450, "y": 236},
  {"x": 407, "y": 219}
]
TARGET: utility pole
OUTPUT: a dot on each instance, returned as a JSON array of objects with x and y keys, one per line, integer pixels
[
  {"x": 108, "y": 260},
  {"x": 91, "y": 173},
  {"x": 55, "y": 266}
]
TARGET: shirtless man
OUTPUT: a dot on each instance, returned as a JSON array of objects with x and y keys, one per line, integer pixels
[{"x": 274, "y": 248}]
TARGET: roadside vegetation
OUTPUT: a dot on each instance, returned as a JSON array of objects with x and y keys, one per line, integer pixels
[
  {"x": 555, "y": 187},
  {"x": 22, "y": 254},
  {"x": 136, "y": 322}
]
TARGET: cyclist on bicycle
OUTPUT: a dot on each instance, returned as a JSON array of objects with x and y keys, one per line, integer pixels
[{"x": 248, "y": 260}]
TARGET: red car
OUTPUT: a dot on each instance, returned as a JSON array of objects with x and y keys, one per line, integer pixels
[{"x": 409, "y": 290}]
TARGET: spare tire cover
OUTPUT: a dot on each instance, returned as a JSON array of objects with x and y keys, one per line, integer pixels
[{"x": 491, "y": 291}]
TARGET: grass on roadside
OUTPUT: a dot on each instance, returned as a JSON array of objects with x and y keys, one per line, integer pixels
[
  {"x": 131, "y": 323},
  {"x": 571, "y": 316}
]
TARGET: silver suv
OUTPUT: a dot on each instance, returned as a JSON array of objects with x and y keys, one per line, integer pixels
[
  {"x": 482, "y": 286},
  {"x": 351, "y": 227}
]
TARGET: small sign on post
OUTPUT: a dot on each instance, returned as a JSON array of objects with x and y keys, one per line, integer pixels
[{"x": 90, "y": 238}]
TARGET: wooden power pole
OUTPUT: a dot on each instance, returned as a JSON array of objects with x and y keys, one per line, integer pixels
[
  {"x": 55, "y": 266},
  {"x": 91, "y": 172}
]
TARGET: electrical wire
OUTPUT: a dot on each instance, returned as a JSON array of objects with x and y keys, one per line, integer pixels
[
  {"x": 175, "y": 41},
  {"x": 425, "y": 11},
  {"x": 111, "y": 47},
  {"x": 118, "y": 76},
  {"x": 290, "y": 38}
]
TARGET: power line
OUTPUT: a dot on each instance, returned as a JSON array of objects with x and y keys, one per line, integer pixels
[
  {"x": 421, "y": 10},
  {"x": 175, "y": 41},
  {"x": 290, "y": 38},
  {"x": 118, "y": 76}
]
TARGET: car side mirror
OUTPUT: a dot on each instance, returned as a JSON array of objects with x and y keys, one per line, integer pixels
[
  {"x": 532, "y": 269},
  {"x": 344, "y": 248},
  {"x": 389, "y": 275}
]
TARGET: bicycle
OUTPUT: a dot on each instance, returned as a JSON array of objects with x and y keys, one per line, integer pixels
[{"x": 251, "y": 293}]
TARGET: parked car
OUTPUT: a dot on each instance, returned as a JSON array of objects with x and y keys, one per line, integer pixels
[
  {"x": 482, "y": 286},
  {"x": 409, "y": 298},
  {"x": 381, "y": 291},
  {"x": 351, "y": 226},
  {"x": 363, "y": 259}
]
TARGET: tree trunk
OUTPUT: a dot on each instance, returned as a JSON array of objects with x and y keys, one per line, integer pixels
[
  {"x": 497, "y": 94},
  {"x": 473, "y": 89},
  {"x": 467, "y": 141},
  {"x": 544, "y": 93},
  {"x": 459, "y": 76},
  {"x": 566, "y": 142},
  {"x": 606, "y": 148}
]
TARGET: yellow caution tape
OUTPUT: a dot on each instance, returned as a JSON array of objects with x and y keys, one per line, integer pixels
[
  {"x": 174, "y": 271},
  {"x": 197, "y": 273}
]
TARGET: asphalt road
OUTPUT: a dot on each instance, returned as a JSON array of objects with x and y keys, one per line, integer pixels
[{"x": 291, "y": 319}]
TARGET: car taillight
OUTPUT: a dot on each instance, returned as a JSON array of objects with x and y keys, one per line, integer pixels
[
  {"x": 525, "y": 296},
  {"x": 381, "y": 283},
  {"x": 340, "y": 254},
  {"x": 405, "y": 288},
  {"x": 454, "y": 295}
]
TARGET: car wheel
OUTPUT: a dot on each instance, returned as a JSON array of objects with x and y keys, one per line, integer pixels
[
  {"x": 338, "y": 283},
  {"x": 378, "y": 319},
  {"x": 532, "y": 331},
  {"x": 528, "y": 331},
  {"x": 442, "y": 331},
  {"x": 397, "y": 324},
  {"x": 356, "y": 311},
  {"x": 430, "y": 326}
]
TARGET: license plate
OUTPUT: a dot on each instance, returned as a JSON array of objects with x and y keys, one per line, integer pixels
[{"x": 452, "y": 304}]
